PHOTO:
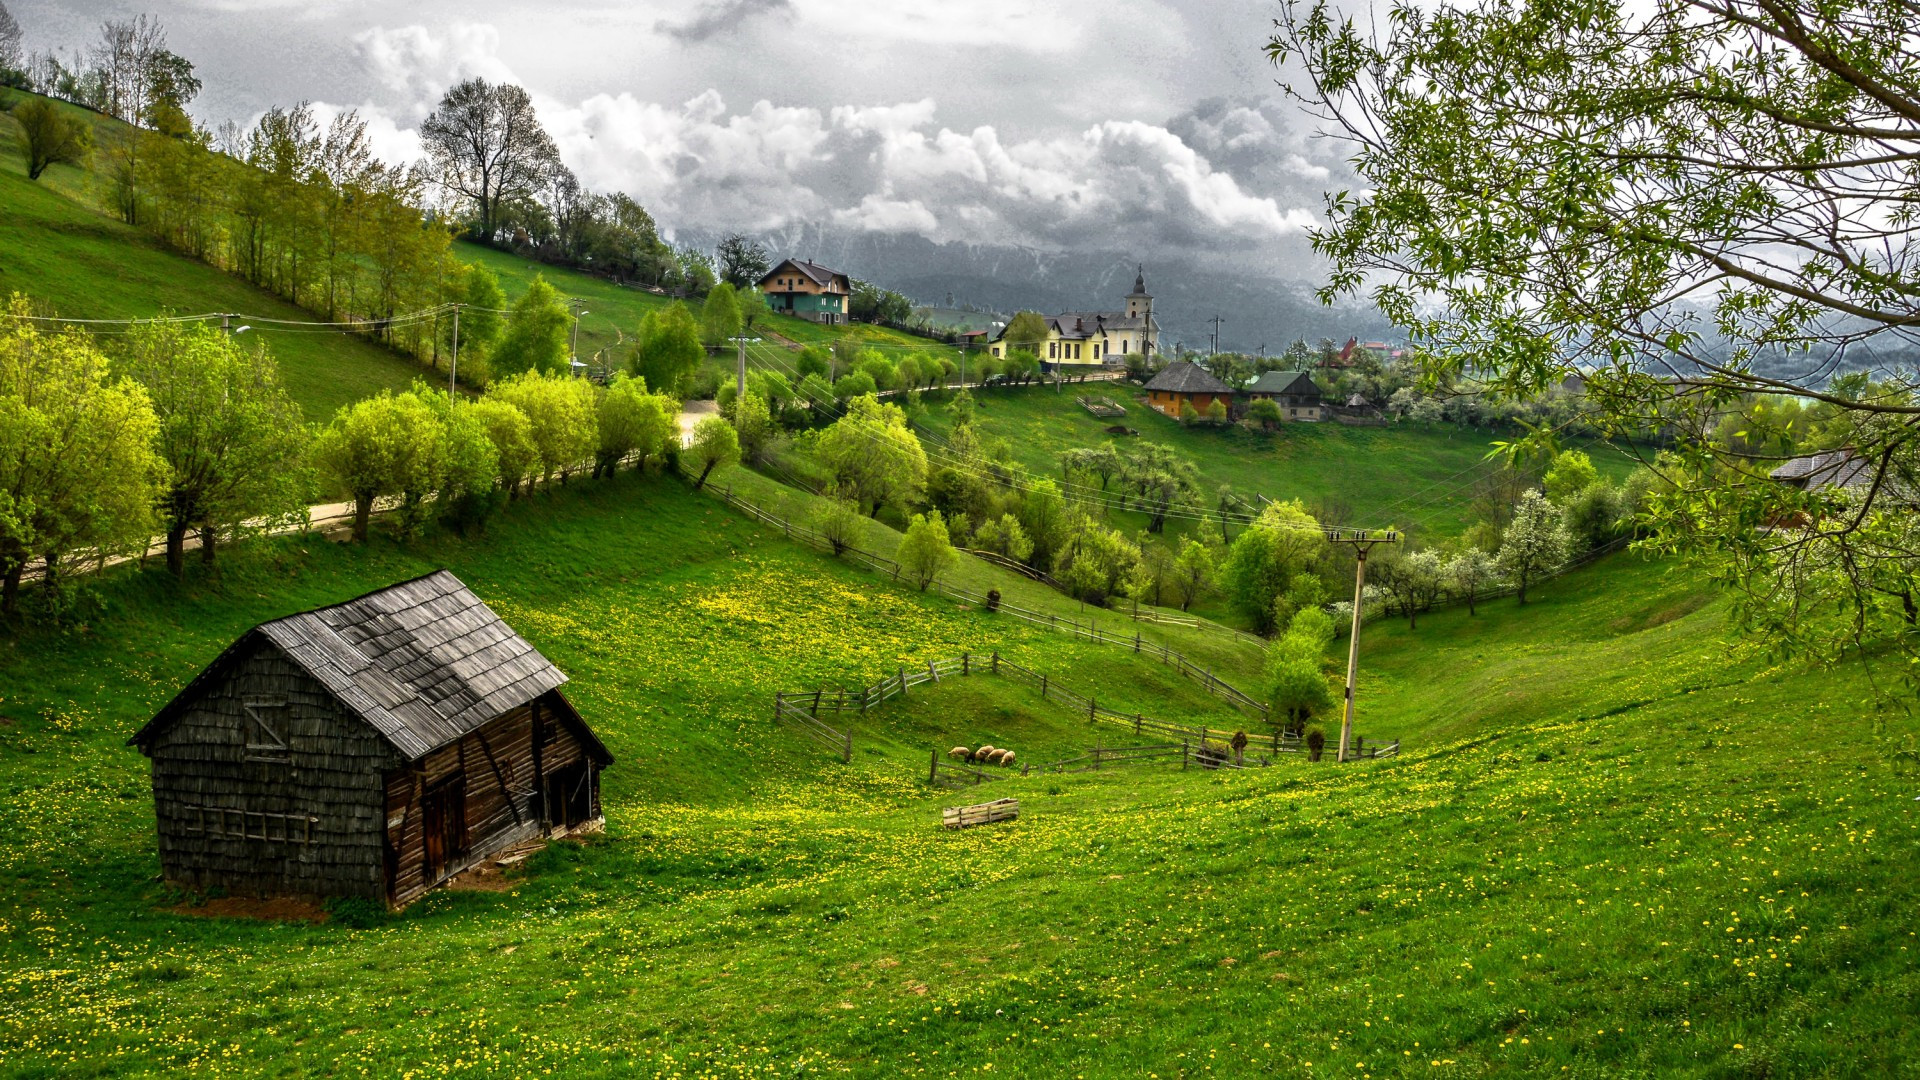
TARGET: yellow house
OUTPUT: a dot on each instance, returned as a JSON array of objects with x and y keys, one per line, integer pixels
[{"x": 1098, "y": 337}]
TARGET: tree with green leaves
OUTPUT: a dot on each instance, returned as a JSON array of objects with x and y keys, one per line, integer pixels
[
  {"x": 52, "y": 137},
  {"x": 463, "y": 474},
  {"x": 720, "y": 316},
  {"x": 233, "y": 440},
  {"x": 1571, "y": 473},
  {"x": 668, "y": 350},
  {"x": 1414, "y": 579},
  {"x": 1004, "y": 536},
  {"x": 876, "y": 460},
  {"x": 1686, "y": 204},
  {"x": 1026, "y": 331},
  {"x": 630, "y": 420},
  {"x": 1536, "y": 542},
  {"x": 562, "y": 416},
  {"x": 1296, "y": 680},
  {"x": 535, "y": 338},
  {"x": 78, "y": 468},
  {"x": 754, "y": 425},
  {"x": 715, "y": 443},
  {"x": 379, "y": 447},
  {"x": 1282, "y": 544},
  {"x": 839, "y": 522},
  {"x": 481, "y": 300},
  {"x": 926, "y": 551},
  {"x": 753, "y": 309},
  {"x": 511, "y": 434},
  {"x": 1193, "y": 572}
]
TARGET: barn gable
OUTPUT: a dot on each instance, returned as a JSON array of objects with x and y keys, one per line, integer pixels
[{"x": 423, "y": 662}]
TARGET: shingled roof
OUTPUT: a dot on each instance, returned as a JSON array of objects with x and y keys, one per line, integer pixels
[
  {"x": 1827, "y": 469},
  {"x": 821, "y": 276},
  {"x": 424, "y": 662},
  {"x": 1187, "y": 377}
]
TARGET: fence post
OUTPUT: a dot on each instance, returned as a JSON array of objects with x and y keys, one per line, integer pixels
[
  {"x": 779, "y": 699},
  {"x": 1092, "y": 711},
  {"x": 841, "y": 705},
  {"x": 1183, "y": 755},
  {"x": 966, "y": 660},
  {"x": 933, "y": 765},
  {"x": 816, "y": 703},
  {"x": 933, "y": 672},
  {"x": 903, "y": 682},
  {"x": 1136, "y": 723},
  {"x": 996, "y": 661},
  {"x": 846, "y": 747},
  {"x": 1043, "y": 688},
  {"x": 1136, "y": 641}
]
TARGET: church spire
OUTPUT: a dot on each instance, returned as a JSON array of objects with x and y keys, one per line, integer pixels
[{"x": 1140, "y": 281}]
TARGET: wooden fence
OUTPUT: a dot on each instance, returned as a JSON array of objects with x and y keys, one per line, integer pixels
[
  {"x": 840, "y": 742},
  {"x": 808, "y": 705},
  {"x": 1088, "y": 630},
  {"x": 944, "y": 773},
  {"x": 961, "y": 817}
]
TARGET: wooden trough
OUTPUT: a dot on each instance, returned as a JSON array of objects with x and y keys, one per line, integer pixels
[{"x": 961, "y": 817}]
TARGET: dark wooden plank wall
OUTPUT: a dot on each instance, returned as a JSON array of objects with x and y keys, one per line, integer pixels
[
  {"x": 330, "y": 772},
  {"x": 502, "y": 801}
]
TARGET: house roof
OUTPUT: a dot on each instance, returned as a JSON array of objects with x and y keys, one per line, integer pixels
[
  {"x": 424, "y": 662},
  {"x": 820, "y": 275},
  {"x": 1187, "y": 377},
  {"x": 1285, "y": 382},
  {"x": 1827, "y": 469}
]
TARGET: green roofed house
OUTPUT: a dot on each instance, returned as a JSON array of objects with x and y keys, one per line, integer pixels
[
  {"x": 1294, "y": 392},
  {"x": 809, "y": 290}
]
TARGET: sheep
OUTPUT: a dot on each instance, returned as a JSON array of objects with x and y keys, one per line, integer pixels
[
  {"x": 983, "y": 753},
  {"x": 996, "y": 757},
  {"x": 960, "y": 753},
  {"x": 1006, "y": 758}
]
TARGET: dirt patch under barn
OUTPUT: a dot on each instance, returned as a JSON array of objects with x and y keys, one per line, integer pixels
[{"x": 271, "y": 909}]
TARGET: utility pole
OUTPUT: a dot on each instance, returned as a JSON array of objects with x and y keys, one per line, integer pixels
[
  {"x": 573, "y": 348},
  {"x": 453, "y": 363},
  {"x": 1216, "y": 321},
  {"x": 1362, "y": 541},
  {"x": 740, "y": 369}
]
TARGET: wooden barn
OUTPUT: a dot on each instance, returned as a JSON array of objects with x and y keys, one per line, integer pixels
[{"x": 374, "y": 748}]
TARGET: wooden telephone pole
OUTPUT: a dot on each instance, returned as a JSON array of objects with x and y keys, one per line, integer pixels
[{"x": 1362, "y": 542}]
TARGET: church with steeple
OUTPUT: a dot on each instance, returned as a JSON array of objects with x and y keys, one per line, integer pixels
[{"x": 1098, "y": 337}]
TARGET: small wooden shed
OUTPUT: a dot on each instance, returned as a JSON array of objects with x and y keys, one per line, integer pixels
[{"x": 374, "y": 748}]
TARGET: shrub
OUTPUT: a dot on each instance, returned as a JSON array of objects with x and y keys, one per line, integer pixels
[{"x": 1316, "y": 743}]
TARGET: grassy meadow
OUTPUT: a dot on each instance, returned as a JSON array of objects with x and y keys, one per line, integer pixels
[
  {"x": 1416, "y": 477},
  {"x": 1616, "y": 845},
  {"x": 59, "y": 249}
]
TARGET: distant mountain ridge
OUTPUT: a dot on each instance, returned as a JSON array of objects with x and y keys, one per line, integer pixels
[{"x": 1257, "y": 307}]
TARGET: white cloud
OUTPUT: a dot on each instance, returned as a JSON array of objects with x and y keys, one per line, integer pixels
[{"x": 883, "y": 168}]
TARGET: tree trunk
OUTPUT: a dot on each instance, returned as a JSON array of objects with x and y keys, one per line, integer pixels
[
  {"x": 177, "y": 549},
  {"x": 362, "y": 511},
  {"x": 207, "y": 537},
  {"x": 700, "y": 483},
  {"x": 10, "y": 589}
]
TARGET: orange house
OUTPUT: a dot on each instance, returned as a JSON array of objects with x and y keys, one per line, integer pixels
[{"x": 1186, "y": 382}]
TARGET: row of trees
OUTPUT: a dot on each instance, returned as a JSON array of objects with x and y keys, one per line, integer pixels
[{"x": 184, "y": 430}]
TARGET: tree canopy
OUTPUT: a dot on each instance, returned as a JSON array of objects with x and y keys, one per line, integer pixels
[{"x": 485, "y": 144}]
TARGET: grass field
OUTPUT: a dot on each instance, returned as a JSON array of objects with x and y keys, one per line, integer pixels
[
  {"x": 58, "y": 249},
  {"x": 614, "y": 312},
  {"x": 1417, "y": 478},
  {"x": 1615, "y": 846}
]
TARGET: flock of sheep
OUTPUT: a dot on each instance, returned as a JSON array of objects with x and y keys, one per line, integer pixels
[{"x": 988, "y": 755}]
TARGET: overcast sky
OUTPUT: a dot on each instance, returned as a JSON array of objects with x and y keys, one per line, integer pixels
[{"x": 1048, "y": 123}]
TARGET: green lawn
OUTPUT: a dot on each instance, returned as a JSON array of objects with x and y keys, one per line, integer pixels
[
  {"x": 1613, "y": 847},
  {"x": 58, "y": 249},
  {"x": 1417, "y": 478}
]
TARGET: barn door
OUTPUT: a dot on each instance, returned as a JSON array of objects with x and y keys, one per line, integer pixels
[
  {"x": 570, "y": 795},
  {"x": 443, "y": 821}
]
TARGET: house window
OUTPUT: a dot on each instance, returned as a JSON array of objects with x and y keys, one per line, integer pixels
[
  {"x": 1053, "y": 350},
  {"x": 1126, "y": 347}
]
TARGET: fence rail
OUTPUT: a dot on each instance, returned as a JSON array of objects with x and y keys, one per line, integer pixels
[
  {"x": 808, "y": 705},
  {"x": 840, "y": 742},
  {"x": 944, "y": 773},
  {"x": 1089, "y": 629}
]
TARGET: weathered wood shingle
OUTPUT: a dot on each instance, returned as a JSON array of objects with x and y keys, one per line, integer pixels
[{"x": 423, "y": 662}]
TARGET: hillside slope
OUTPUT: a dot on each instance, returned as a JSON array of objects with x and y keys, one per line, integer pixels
[
  {"x": 58, "y": 249},
  {"x": 1624, "y": 853}
]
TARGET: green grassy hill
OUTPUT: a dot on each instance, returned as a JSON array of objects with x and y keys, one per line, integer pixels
[
  {"x": 57, "y": 248},
  {"x": 1418, "y": 478},
  {"x": 1612, "y": 847},
  {"x": 614, "y": 312}
]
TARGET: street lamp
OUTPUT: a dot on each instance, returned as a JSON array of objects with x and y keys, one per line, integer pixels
[{"x": 573, "y": 347}]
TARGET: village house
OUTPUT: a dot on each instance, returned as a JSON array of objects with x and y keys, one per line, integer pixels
[
  {"x": 1186, "y": 383},
  {"x": 1098, "y": 337},
  {"x": 809, "y": 290},
  {"x": 374, "y": 748},
  {"x": 1295, "y": 393}
]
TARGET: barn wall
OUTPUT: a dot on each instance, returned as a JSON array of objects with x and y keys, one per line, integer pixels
[
  {"x": 303, "y": 820},
  {"x": 501, "y": 803}
]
